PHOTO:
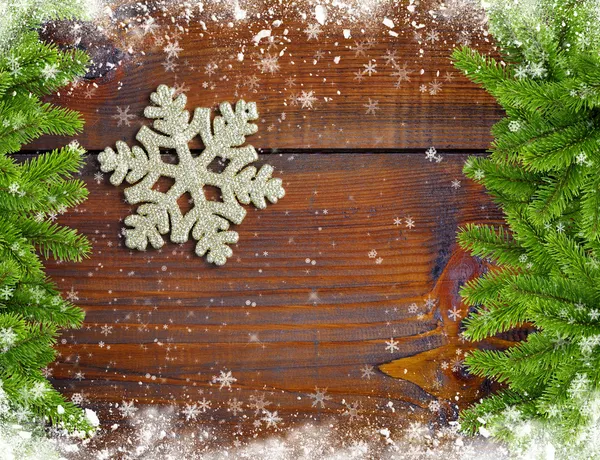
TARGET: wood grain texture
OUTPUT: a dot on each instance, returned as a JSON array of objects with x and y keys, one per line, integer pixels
[
  {"x": 340, "y": 299},
  {"x": 414, "y": 114},
  {"x": 304, "y": 302}
]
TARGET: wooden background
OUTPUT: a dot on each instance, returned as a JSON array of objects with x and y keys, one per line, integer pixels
[{"x": 358, "y": 256}]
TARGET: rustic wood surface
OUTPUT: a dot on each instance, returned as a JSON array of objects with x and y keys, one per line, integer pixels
[
  {"x": 303, "y": 303},
  {"x": 432, "y": 105},
  {"x": 348, "y": 287}
]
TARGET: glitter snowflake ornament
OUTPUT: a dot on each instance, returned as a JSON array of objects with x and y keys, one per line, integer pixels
[{"x": 207, "y": 220}]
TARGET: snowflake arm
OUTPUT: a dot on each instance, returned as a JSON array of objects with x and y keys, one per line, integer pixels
[
  {"x": 230, "y": 128},
  {"x": 250, "y": 186},
  {"x": 133, "y": 163},
  {"x": 148, "y": 224},
  {"x": 213, "y": 239},
  {"x": 171, "y": 118}
]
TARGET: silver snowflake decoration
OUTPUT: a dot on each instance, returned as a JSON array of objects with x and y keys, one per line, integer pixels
[{"x": 208, "y": 220}]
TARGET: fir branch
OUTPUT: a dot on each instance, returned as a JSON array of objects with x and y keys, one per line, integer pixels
[
  {"x": 590, "y": 208},
  {"x": 479, "y": 68},
  {"x": 487, "y": 241}
]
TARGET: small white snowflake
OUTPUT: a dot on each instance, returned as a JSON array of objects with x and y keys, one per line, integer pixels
[
  {"x": 369, "y": 68},
  {"x": 225, "y": 379},
  {"x": 268, "y": 63},
  {"x": 13, "y": 188},
  {"x": 454, "y": 314},
  {"x": 6, "y": 292},
  {"x": 514, "y": 126},
  {"x": 312, "y": 31},
  {"x": 390, "y": 57},
  {"x": 50, "y": 71},
  {"x": 401, "y": 74},
  {"x": 431, "y": 153},
  {"x": 319, "y": 397},
  {"x": 430, "y": 302},
  {"x": 351, "y": 410},
  {"x": 479, "y": 174},
  {"x": 271, "y": 418},
  {"x": 8, "y": 338},
  {"x": 537, "y": 70},
  {"x": 204, "y": 405},
  {"x": 307, "y": 99},
  {"x": 360, "y": 49},
  {"x": 234, "y": 406},
  {"x": 391, "y": 345},
  {"x": 258, "y": 403},
  {"x": 172, "y": 49},
  {"x": 367, "y": 371},
  {"x": 435, "y": 87},
  {"x": 127, "y": 409},
  {"x": 372, "y": 107},
  {"x": 434, "y": 405},
  {"x": 190, "y": 411},
  {"x": 123, "y": 116},
  {"x": 432, "y": 36}
]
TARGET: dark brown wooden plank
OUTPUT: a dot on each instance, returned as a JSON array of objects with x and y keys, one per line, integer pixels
[
  {"x": 415, "y": 115},
  {"x": 160, "y": 324}
]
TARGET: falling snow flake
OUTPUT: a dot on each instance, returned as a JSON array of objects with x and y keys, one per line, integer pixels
[
  {"x": 271, "y": 418},
  {"x": 313, "y": 31},
  {"x": 401, "y": 74},
  {"x": 269, "y": 63},
  {"x": 50, "y": 71},
  {"x": 172, "y": 50},
  {"x": 225, "y": 379},
  {"x": 307, "y": 99},
  {"x": 190, "y": 411},
  {"x": 204, "y": 405},
  {"x": 372, "y": 107},
  {"x": 234, "y": 405},
  {"x": 72, "y": 295},
  {"x": 369, "y": 68},
  {"x": 434, "y": 87},
  {"x": 351, "y": 410},
  {"x": 123, "y": 116},
  {"x": 367, "y": 371},
  {"x": 454, "y": 314},
  {"x": 390, "y": 57},
  {"x": 391, "y": 345},
  {"x": 127, "y": 408},
  {"x": 319, "y": 397}
]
